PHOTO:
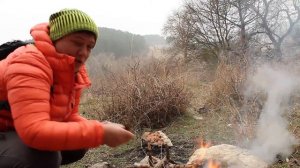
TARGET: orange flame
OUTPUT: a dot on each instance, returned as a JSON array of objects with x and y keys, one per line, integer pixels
[
  {"x": 213, "y": 164},
  {"x": 210, "y": 163},
  {"x": 204, "y": 144}
]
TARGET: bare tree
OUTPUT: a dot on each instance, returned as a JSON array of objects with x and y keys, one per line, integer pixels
[
  {"x": 277, "y": 18},
  {"x": 213, "y": 25},
  {"x": 178, "y": 30},
  {"x": 211, "y": 30},
  {"x": 218, "y": 25},
  {"x": 243, "y": 18}
]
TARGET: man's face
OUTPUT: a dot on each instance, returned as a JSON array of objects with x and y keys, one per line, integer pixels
[{"x": 78, "y": 45}]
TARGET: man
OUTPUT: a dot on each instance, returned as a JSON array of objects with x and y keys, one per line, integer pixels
[{"x": 42, "y": 82}]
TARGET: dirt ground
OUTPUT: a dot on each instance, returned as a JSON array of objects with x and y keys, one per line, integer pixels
[{"x": 184, "y": 134}]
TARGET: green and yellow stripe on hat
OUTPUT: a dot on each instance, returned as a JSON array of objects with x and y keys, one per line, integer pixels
[{"x": 68, "y": 21}]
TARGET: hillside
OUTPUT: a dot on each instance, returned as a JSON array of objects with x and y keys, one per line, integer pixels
[
  {"x": 155, "y": 40},
  {"x": 121, "y": 43}
]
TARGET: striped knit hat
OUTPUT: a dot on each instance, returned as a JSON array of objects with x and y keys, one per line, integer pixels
[{"x": 68, "y": 21}]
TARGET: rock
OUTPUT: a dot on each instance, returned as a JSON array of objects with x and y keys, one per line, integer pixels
[{"x": 229, "y": 155}]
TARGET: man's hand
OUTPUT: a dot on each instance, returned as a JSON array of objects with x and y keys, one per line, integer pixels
[{"x": 115, "y": 134}]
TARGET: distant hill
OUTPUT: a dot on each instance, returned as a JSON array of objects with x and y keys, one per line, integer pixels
[
  {"x": 123, "y": 43},
  {"x": 119, "y": 43},
  {"x": 155, "y": 40}
]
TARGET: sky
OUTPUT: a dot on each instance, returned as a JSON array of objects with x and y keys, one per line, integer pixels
[{"x": 135, "y": 16}]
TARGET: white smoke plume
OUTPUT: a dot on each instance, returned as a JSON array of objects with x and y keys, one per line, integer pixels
[{"x": 272, "y": 135}]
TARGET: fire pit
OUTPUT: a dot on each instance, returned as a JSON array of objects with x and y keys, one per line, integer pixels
[
  {"x": 154, "y": 143},
  {"x": 218, "y": 156}
]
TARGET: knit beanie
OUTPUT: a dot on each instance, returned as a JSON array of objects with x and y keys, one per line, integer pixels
[{"x": 68, "y": 21}]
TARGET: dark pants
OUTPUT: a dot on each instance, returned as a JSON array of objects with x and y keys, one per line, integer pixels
[{"x": 15, "y": 154}]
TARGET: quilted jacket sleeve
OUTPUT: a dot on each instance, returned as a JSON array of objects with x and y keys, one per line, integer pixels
[
  {"x": 28, "y": 80},
  {"x": 75, "y": 114},
  {"x": 77, "y": 118}
]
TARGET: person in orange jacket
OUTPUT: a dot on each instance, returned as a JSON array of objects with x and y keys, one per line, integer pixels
[{"x": 42, "y": 82}]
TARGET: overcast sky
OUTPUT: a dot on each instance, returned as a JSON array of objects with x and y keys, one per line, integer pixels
[{"x": 135, "y": 16}]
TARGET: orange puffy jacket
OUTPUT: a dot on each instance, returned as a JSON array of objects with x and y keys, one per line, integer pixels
[{"x": 44, "y": 95}]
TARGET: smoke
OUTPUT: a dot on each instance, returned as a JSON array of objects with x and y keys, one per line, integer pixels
[{"x": 272, "y": 135}]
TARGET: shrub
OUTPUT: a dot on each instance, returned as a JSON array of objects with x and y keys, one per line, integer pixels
[
  {"x": 226, "y": 88},
  {"x": 149, "y": 95},
  {"x": 228, "y": 95}
]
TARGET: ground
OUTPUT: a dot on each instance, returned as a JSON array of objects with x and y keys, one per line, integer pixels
[{"x": 185, "y": 133}]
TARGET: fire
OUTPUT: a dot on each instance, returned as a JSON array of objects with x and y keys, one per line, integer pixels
[
  {"x": 210, "y": 162},
  {"x": 213, "y": 164},
  {"x": 204, "y": 144}
]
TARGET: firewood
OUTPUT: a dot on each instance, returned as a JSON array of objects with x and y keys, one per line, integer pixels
[{"x": 161, "y": 163}]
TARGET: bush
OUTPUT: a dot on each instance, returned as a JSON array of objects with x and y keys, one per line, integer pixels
[
  {"x": 227, "y": 95},
  {"x": 227, "y": 86},
  {"x": 149, "y": 95}
]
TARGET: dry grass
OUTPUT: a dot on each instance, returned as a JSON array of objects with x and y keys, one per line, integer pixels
[
  {"x": 226, "y": 87},
  {"x": 227, "y": 94}
]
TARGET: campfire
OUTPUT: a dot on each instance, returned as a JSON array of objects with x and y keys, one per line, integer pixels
[
  {"x": 206, "y": 156},
  {"x": 158, "y": 141},
  {"x": 201, "y": 161}
]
